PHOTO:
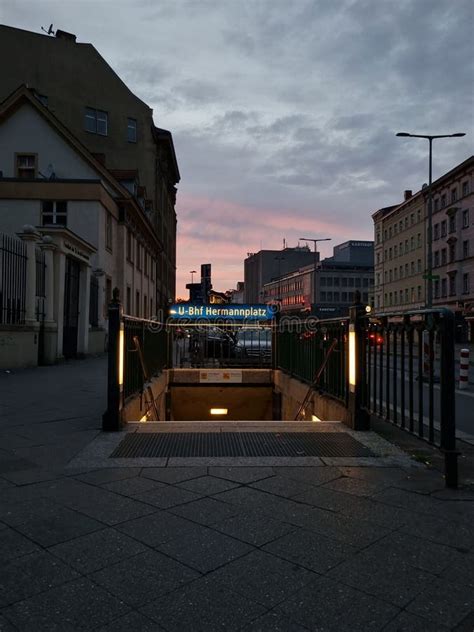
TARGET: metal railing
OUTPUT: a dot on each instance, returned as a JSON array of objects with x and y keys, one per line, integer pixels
[
  {"x": 198, "y": 346},
  {"x": 409, "y": 378},
  {"x": 153, "y": 341},
  {"x": 302, "y": 346},
  {"x": 13, "y": 260}
]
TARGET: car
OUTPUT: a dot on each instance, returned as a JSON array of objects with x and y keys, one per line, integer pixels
[
  {"x": 375, "y": 338},
  {"x": 254, "y": 345}
]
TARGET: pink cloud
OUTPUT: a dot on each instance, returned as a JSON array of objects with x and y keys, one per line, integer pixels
[{"x": 221, "y": 232}]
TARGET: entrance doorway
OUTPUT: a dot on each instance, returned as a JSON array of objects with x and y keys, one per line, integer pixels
[{"x": 71, "y": 308}]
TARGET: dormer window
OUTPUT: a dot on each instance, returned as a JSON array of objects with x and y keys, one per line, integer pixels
[{"x": 26, "y": 166}]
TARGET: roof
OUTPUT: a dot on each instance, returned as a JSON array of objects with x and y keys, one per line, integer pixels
[
  {"x": 165, "y": 136},
  {"x": 24, "y": 95}
]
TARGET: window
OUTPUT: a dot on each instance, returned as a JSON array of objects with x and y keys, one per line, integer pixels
[
  {"x": 151, "y": 308},
  {"x": 344, "y": 297},
  {"x": 465, "y": 218},
  {"x": 406, "y": 269},
  {"x": 390, "y": 253},
  {"x": 145, "y": 306},
  {"x": 329, "y": 296},
  {"x": 129, "y": 247},
  {"x": 436, "y": 204},
  {"x": 419, "y": 293},
  {"x": 145, "y": 262},
  {"x": 137, "y": 303},
  {"x": 465, "y": 248},
  {"x": 418, "y": 240},
  {"x": 412, "y": 242},
  {"x": 108, "y": 231},
  {"x": 108, "y": 295},
  {"x": 444, "y": 257},
  {"x": 452, "y": 285},
  {"x": 412, "y": 267},
  {"x": 351, "y": 281},
  {"x": 406, "y": 295},
  {"x": 452, "y": 224},
  {"x": 336, "y": 281},
  {"x": 418, "y": 265},
  {"x": 54, "y": 213},
  {"x": 365, "y": 282},
  {"x": 395, "y": 251},
  {"x": 390, "y": 232},
  {"x": 412, "y": 218},
  {"x": 444, "y": 228},
  {"x": 406, "y": 245},
  {"x": 444, "y": 288},
  {"x": 357, "y": 282},
  {"x": 336, "y": 297},
  {"x": 390, "y": 277},
  {"x": 436, "y": 288},
  {"x": 378, "y": 237},
  {"x": 131, "y": 130},
  {"x": 152, "y": 269},
  {"x": 465, "y": 283},
  {"x": 139, "y": 256},
  {"x": 443, "y": 200},
  {"x": 26, "y": 166},
  {"x": 465, "y": 188},
  {"x": 406, "y": 222},
  {"x": 452, "y": 253},
  {"x": 400, "y": 272},
  {"x": 129, "y": 300},
  {"x": 454, "y": 195},
  {"x": 96, "y": 121},
  {"x": 395, "y": 297},
  {"x": 323, "y": 296},
  {"x": 436, "y": 231},
  {"x": 323, "y": 281},
  {"x": 378, "y": 257},
  {"x": 436, "y": 258}
]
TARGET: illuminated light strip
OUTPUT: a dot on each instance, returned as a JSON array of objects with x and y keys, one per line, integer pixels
[
  {"x": 219, "y": 411},
  {"x": 352, "y": 358}
]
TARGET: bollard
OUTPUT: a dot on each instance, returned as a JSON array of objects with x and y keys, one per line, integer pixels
[{"x": 464, "y": 369}]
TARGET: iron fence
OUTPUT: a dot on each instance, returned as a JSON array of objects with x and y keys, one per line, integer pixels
[
  {"x": 302, "y": 346},
  {"x": 409, "y": 375},
  {"x": 153, "y": 341},
  {"x": 237, "y": 346},
  {"x": 13, "y": 260}
]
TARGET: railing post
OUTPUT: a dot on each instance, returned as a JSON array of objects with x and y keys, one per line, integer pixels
[
  {"x": 447, "y": 400},
  {"x": 359, "y": 416},
  {"x": 112, "y": 418}
]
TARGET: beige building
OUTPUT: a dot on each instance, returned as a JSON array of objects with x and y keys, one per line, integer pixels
[
  {"x": 400, "y": 255},
  {"x": 80, "y": 89},
  {"x": 92, "y": 229},
  {"x": 401, "y": 249}
]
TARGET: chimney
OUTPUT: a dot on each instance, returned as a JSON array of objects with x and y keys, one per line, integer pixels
[
  {"x": 407, "y": 194},
  {"x": 65, "y": 35}
]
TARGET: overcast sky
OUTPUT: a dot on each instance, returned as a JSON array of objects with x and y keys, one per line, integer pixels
[{"x": 284, "y": 112}]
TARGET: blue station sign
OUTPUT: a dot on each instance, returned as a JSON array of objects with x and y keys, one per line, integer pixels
[{"x": 227, "y": 311}]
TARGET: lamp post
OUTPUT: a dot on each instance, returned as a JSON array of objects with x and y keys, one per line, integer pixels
[
  {"x": 315, "y": 260},
  {"x": 192, "y": 273},
  {"x": 279, "y": 258},
  {"x": 429, "y": 266}
]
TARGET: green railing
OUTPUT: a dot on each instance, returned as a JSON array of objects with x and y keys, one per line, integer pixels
[
  {"x": 153, "y": 340},
  {"x": 302, "y": 345}
]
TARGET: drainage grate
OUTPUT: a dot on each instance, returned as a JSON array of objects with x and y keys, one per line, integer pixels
[{"x": 239, "y": 444}]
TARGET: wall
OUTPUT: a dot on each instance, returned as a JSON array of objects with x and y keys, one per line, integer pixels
[
  {"x": 18, "y": 346},
  {"x": 293, "y": 393}
]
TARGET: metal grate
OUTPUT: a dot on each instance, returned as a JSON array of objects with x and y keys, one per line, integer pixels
[{"x": 239, "y": 444}]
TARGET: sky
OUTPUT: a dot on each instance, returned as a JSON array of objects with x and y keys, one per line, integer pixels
[{"x": 284, "y": 112}]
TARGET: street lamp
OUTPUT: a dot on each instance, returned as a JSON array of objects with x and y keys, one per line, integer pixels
[
  {"x": 315, "y": 261},
  {"x": 429, "y": 267},
  {"x": 192, "y": 273},
  {"x": 279, "y": 258}
]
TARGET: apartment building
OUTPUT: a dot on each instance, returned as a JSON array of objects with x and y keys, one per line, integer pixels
[
  {"x": 401, "y": 249},
  {"x": 83, "y": 92},
  {"x": 400, "y": 255}
]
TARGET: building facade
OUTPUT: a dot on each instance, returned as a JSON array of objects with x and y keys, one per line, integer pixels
[
  {"x": 263, "y": 266},
  {"x": 327, "y": 289},
  {"x": 83, "y": 92},
  {"x": 98, "y": 233},
  {"x": 401, "y": 249}
]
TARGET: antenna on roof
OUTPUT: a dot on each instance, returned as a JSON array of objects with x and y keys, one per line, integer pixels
[{"x": 49, "y": 31}]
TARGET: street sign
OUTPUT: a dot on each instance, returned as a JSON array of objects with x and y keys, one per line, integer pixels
[{"x": 224, "y": 311}]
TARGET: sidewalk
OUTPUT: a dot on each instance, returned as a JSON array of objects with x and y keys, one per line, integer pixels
[{"x": 214, "y": 548}]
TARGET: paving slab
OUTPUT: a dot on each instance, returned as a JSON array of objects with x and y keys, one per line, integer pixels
[
  {"x": 144, "y": 577},
  {"x": 253, "y": 528},
  {"x": 32, "y": 574},
  {"x": 97, "y": 550},
  {"x": 443, "y": 601},
  {"x": 310, "y": 550},
  {"x": 263, "y": 578},
  {"x": 157, "y": 528},
  {"x": 205, "y": 511},
  {"x": 282, "y": 486},
  {"x": 173, "y": 474},
  {"x": 132, "y": 622},
  {"x": 207, "y": 485},
  {"x": 167, "y": 496},
  {"x": 311, "y": 475},
  {"x": 77, "y": 605},
  {"x": 406, "y": 622},
  {"x": 132, "y": 486},
  {"x": 204, "y": 549},
  {"x": 14, "y": 544},
  {"x": 332, "y": 607},
  {"x": 242, "y": 474},
  {"x": 274, "y": 622},
  {"x": 204, "y": 605}
]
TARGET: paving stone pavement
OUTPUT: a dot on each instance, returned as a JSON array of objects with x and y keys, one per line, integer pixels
[{"x": 254, "y": 549}]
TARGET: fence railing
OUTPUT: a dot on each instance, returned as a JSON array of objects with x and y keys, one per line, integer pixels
[
  {"x": 12, "y": 280},
  {"x": 409, "y": 377},
  {"x": 153, "y": 342},
  {"x": 301, "y": 347}
]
